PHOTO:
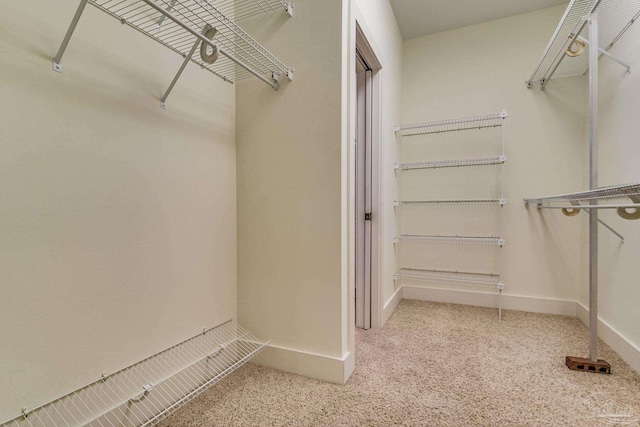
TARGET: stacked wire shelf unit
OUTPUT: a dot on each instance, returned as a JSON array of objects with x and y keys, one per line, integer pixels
[
  {"x": 449, "y": 208},
  {"x": 148, "y": 391}
]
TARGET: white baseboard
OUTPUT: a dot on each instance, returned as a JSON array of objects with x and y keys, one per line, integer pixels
[
  {"x": 625, "y": 349},
  {"x": 484, "y": 299},
  {"x": 390, "y": 305},
  {"x": 318, "y": 366}
]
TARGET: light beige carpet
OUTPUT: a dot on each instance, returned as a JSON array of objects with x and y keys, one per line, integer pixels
[{"x": 438, "y": 365}]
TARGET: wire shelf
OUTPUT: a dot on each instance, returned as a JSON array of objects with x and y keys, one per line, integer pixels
[
  {"x": 465, "y": 240},
  {"x": 481, "y": 161},
  {"x": 614, "y": 18},
  {"x": 477, "y": 122},
  {"x": 196, "y": 15},
  {"x": 145, "y": 393},
  {"x": 399, "y": 203},
  {"x": 464, "y": 278},
  {"x": 614, "y": 191}
]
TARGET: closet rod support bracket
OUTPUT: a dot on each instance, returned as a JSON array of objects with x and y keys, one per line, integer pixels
[
  {"x": 57, "y": 60},
  {"x": 608, "y": 55},
  {"x": 289, "y": 8}
]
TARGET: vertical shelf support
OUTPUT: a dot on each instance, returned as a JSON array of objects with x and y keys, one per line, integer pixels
[
  {"x": 593, "y": 184},
  {"x": 57, "y": 65}
]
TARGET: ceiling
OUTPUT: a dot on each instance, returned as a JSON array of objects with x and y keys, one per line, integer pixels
[{"x": 418, "y": 18}]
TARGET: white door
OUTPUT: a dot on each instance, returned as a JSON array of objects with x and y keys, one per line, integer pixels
[{"x": 363, "y": 193}]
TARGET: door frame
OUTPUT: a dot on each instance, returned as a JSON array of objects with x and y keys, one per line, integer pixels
[{"x": 368, "y": 52}]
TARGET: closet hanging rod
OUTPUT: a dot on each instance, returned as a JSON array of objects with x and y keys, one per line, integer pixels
[{"x": 175, "y": 23}]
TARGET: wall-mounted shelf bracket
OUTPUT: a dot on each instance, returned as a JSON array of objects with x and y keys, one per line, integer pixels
[
  {"x": 608, "y": 55},
  {"x": 57, "y": 61},
  {"x": 289, "y": 8}
]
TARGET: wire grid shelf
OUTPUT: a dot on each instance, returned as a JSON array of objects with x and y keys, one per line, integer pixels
[
  {"x": 611, "y": 192},
  {"x": 477, "y": 122},
  {"x": 481, "y": 280},
  {"x": 147, "y": 392},
  {"x": 451, "y": 240},
  {"x": 197, "y": 14},
  {"x": 243, "y": 9},
  {"x": 482, "y": 161},
  {"x": 400, "y": 203},
  {"x": 614, "y": 18}
]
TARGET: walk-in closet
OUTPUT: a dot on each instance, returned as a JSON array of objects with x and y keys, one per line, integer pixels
[{"x": 319, "y": 213}]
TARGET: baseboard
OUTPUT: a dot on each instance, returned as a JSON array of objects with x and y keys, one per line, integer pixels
[
  {"x": 625, "y": 349},
  {"x": 484, "y": 299},
  {"x": 318, "y": 366},
  {"x": 390, "y": 305}
]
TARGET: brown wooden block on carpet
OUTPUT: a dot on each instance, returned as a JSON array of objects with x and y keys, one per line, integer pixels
[{"x": 586, "y": 365}]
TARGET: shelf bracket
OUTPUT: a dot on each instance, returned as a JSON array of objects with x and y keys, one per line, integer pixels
[
  {"x": 57, "y": 65},
  {"x": 209, "y": 32},
  {"x": 276, "y": 80},
  {"x": 187, "y": 58},
  {"x": 608, "y": 55},
  {"x": 288, "y": 7},
  {"x": 163, "y": 17},
  {"x": 608, "y": 227}
]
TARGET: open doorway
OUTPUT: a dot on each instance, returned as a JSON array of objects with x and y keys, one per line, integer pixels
[{"x": 366, "y": 185}]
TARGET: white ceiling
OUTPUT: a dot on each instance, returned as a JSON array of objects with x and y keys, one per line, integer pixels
[{"x": 421, "y": 17}]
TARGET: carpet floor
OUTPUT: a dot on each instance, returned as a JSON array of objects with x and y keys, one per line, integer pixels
[{"x": 437, "y": 364}]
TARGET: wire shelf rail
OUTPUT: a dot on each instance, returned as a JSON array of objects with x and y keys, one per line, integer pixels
[
  {"x": 500, "y": 202},
  {"x": 477, "y": 122},
  {"x": 571, "y": 205},
  {"x": 488, "y": 280},
  {"x": 451, "y": 240},
  {"x": 146, "y": 392},
  {"x": 615, "y": 17},
  {"x": 226, "y": 50},
  {"x": 481, "y": 161},
  {"x": 614, "y": 191}
]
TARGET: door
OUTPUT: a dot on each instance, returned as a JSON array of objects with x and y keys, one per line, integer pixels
[{"x": 363, "y": 192}]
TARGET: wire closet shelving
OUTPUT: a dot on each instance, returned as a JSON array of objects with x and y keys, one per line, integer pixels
[
  {"x": 562, "y": 54},
  {"x": 443, "y": 276},
  {"x": 225, "y": 49},
  {"x": 148, "y": 391}
]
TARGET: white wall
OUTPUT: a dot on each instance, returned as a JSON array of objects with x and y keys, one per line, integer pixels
[
  {"x": 289, "y": 150},
  {"x": 118, "y": 218},
  {"x": 619, "y": 130},
  {"x": 482, "y": 69},
  {"x": 378, "y": 23}
]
